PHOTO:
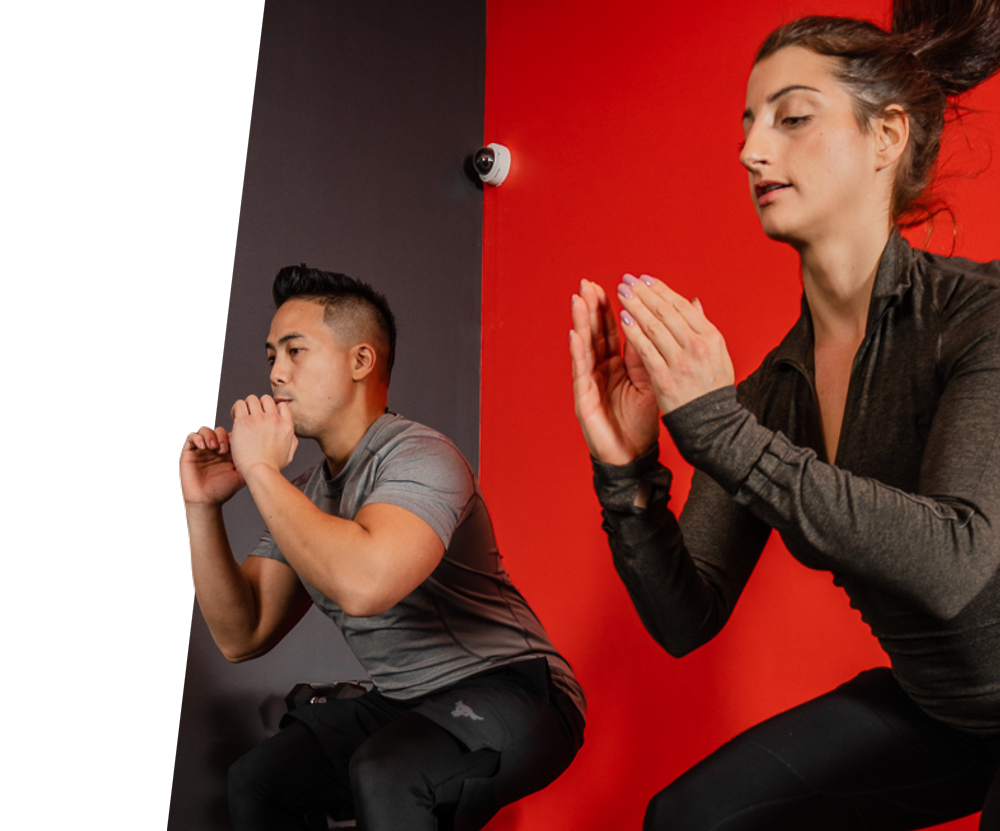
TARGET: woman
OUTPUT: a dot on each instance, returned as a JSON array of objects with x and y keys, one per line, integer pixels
[{"x": 869, "y": 439}]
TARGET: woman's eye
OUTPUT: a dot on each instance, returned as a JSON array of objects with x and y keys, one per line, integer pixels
[{"x": 794, "y": 120}]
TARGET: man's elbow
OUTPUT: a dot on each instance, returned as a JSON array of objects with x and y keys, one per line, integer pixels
[
  {"x": 366, "y": 606},
  {"x": 237, "y": 654},
  {"x": 236, "y": 659},
  {"x": 368, "y": 601}
]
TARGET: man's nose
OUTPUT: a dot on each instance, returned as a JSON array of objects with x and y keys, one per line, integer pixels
[{"x": 277, "y": 374}]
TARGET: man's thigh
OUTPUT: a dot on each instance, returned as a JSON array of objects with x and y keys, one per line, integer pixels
[
  {"x": 414, "y": 774},
  {"x": 479, "y": 745},
  {"x": 411, "y": 773},
  {"x": 342, "y": 725},
  {"x": 861, "y": 756},
  {"x": 283, "y": 780}
]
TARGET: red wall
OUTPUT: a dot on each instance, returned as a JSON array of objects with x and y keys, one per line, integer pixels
[{"x": 623, "y": 120}]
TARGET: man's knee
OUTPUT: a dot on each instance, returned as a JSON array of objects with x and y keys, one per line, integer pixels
[
  {"x": 243, "y": 777},
  {"x": 376, "y": 771},
  {"x": 247, "y": 795}
]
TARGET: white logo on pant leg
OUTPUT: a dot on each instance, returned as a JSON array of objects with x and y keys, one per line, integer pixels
[{"x": 463, "y": 709}]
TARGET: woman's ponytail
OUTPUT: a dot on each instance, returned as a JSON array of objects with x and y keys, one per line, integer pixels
[{"x": 957, "y": 41}]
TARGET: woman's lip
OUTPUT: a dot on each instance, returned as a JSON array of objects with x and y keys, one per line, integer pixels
[{"x": 768, "y": 196}]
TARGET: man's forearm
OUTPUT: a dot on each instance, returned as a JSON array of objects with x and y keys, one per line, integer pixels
[
  {"x": 365, "y": 565},
  {"x": 225, "y": 596},
  {"x": 327, "y": 552}
]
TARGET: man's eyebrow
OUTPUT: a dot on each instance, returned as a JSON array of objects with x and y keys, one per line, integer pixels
[
  {"x": 776, "y": 95},
  {"x": 284, "y": 339}
]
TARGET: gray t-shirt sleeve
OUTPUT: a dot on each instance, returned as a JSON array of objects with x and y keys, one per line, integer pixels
[
  {"x": 265, "y": 547},
  {"x": 426, "y": 475}
]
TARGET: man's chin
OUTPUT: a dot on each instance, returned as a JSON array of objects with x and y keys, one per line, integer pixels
[{"x": 302, "y": 431}]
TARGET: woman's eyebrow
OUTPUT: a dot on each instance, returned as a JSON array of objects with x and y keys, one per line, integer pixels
[
  {"x": 748, "y": 113},
  {"x": 775, "y": 96}
]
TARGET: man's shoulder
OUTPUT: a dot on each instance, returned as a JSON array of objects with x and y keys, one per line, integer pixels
[{"x": 397, "y": 436}]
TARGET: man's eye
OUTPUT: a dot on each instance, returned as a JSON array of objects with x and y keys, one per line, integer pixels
[{"x": 795, "y": 120}]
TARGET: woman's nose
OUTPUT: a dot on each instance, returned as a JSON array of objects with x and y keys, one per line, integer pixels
[{"x": 756, "y": 150}]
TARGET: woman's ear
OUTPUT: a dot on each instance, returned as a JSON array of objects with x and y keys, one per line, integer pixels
[
  {"x": 364, "y": 361},
  {"x": 891, "y": 132}
]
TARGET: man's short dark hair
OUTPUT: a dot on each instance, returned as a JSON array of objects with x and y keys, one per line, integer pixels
[{"x": 353, "y": 308}]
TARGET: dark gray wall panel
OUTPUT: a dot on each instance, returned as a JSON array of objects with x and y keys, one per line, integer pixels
[{"x": 364, "y": 115}]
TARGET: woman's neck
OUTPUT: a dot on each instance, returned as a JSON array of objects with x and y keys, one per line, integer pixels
[{"x": 837, "y": 276}]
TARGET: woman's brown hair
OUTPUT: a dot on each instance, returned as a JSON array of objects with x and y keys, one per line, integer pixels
[{"x": 935, "y": 49}]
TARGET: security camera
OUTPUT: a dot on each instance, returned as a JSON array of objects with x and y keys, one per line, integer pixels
[{"x": 492, "y": 163}]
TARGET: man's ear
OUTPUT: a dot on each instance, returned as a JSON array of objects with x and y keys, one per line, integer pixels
[
  {"x": 363, "y": 361},
  {"x": 891, "y": 133}
]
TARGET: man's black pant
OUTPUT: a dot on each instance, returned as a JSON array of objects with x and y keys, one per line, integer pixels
[
  {"x": 392, "y": 765},
  {"x": 861, "y": 757}
]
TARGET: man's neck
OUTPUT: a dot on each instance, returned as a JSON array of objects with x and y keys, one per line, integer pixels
[{"x": 339, "y": 443}]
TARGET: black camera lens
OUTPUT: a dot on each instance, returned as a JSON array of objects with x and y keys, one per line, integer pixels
[{"x": 484, "y": 161}]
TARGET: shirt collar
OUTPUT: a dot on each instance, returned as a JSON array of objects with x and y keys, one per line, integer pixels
[
  {"x": 892, "y": 280},
  {"x": 360, "y": 450}
]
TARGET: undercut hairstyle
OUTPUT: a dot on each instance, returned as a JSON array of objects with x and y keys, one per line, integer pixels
[
  {"x": 935, "y": 50},
  {"x": 353, "y": 309}
]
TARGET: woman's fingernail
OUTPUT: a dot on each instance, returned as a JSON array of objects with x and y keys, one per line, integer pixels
[
  {"x": 629, "y": 279},
  {"x": 647, "y": 280},
  {"x": 624, "y": 290},
  {"x": 627, "y": 318}
]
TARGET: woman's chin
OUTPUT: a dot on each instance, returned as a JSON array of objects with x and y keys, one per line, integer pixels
[{"x": 782, "y": 232}]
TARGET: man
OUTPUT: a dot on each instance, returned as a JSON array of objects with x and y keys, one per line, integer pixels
[{"x": 472, "y": 708}]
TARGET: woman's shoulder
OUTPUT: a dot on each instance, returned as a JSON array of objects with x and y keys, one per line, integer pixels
[
  {"x": 953, "y": 273},
  {"x": 958, "y": 300}
]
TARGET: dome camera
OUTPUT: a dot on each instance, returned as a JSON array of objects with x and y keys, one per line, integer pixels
[{"x": 492, "y": 163}]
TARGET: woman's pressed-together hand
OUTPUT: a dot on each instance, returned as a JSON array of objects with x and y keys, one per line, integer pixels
[{"x": 683, "y": 354}]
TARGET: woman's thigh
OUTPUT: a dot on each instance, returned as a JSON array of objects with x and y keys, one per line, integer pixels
[{"x": 862, "y": 756}]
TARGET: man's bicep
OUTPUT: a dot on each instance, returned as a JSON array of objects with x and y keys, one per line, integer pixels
[
  {"x": 408, "y": 547},
  {"x": 281, "y": 600}
]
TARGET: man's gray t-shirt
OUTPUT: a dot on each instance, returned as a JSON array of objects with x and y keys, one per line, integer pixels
[{"x": 467, "y": 617}]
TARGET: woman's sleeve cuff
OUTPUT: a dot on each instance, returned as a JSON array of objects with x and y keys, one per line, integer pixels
[{"x": 633, "y": 487}]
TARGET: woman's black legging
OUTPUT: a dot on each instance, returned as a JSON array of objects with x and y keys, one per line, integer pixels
[{"x": 863, "y": 756}]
